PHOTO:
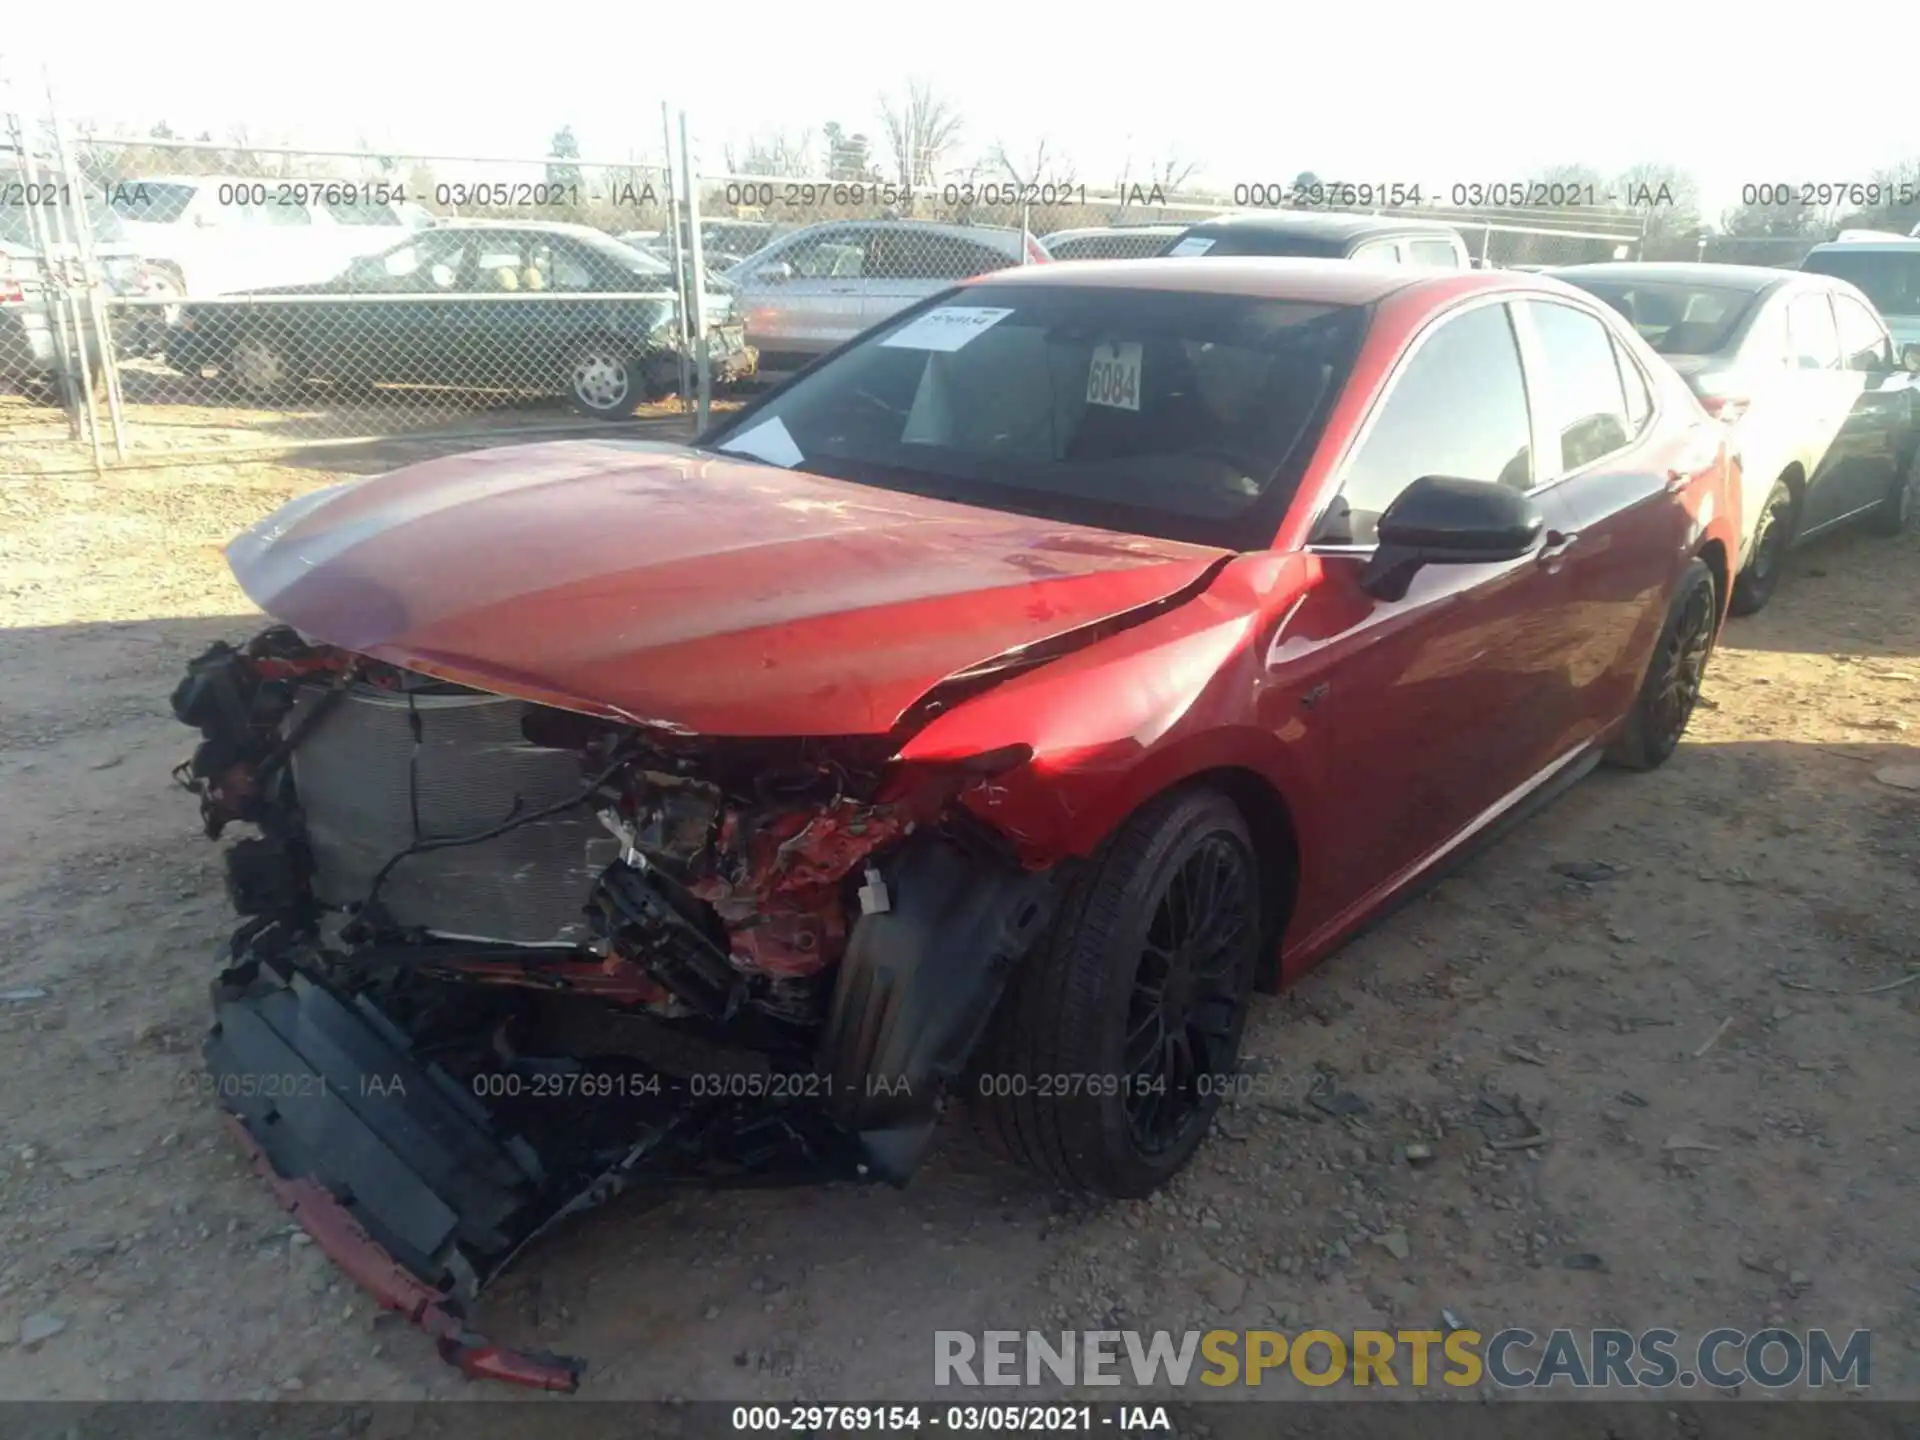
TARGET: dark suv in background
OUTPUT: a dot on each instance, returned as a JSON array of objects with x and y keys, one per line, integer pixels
[{"x": 1331, "y": 237}]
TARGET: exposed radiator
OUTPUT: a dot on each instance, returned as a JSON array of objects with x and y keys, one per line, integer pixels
[{"x": 361, "y": 776}]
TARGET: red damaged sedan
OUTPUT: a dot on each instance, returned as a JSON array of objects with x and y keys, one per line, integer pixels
[{"x": 983, "y": 714}]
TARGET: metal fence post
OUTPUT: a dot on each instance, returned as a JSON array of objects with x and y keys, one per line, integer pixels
[
  {"x": 699, "y": 269},
  {"x": 72, "y": 377},
  {"x": 681, "y": 289},
  {"x": 91, "y": 277}
]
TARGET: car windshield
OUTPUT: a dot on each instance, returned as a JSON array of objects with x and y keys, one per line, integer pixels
[
  {"x": 156, "y": 202},
  {"x": 1166, "y": 413},
  {"x": 1890, "y": 278},
  {"x": 1674, "y": 316}
]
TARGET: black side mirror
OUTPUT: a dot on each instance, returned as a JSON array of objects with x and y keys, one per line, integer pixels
[
  {"x": 1440, "y": 520},
  {"x": 1910, "y": 359}
]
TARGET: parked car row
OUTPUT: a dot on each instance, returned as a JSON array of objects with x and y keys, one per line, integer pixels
[
  {"x": 1807, "y": 376},
  {"x": 1015, "y": 691},
  {"x": 517, "y": 305},
  {"x": 1810, "y": 368}
]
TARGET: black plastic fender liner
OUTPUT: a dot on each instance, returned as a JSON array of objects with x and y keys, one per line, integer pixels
[
  {"x": 917, "y": 988},
  {"x": 329, "y": 1090}
]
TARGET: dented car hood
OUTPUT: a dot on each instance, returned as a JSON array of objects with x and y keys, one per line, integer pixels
[{"x": 663, "y": 585}]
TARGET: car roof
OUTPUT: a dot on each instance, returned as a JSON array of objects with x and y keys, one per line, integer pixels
[
  {"x": 1754, "y": 278},
  {"x": 545, "y": 227},
  {"x": 1320, "y": 226},
  {"x": 1334, "y": 282},
  {"x": 931, "y": 226},
  {"x": 1892, "y": 243},
  {"x": 195, "y": 180},
  {"x": 1086, "y": 231}
]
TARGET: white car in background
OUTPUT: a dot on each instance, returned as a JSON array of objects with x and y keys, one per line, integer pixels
[{"x": 221, "y": 234}]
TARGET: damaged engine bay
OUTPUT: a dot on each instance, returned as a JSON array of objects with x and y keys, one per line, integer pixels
[{"x": 500, "y": 962}]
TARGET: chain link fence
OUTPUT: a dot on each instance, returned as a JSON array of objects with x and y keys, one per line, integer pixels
[
  {"x": 165, "y": 297},
  {"x": 837, "y": 256},
  {"x": 170, "y": 298}
]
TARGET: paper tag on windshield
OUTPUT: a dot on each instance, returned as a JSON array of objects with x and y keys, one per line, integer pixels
[
  {"x": 768, "y": 441},
  {"x": 947, "y": 328},
  {"x": 1192, "y": 245},
  {"x": 1113, "y": 377}
]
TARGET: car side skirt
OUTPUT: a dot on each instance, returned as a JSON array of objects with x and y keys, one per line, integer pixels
[{"x": 1414, "y": 879}]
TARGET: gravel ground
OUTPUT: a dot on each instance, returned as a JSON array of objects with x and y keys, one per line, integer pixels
[{"x": 1706, "y": 1026}]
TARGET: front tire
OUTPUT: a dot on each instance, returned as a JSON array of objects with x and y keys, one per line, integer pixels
[
  {"x": 1107, "y": 1058},
  {"x": 604, "y": 382},
  {"x": 1897, "y": 513},
  {"x": 1772, "y": 539},
  {"x": 1672, "y": 685}
]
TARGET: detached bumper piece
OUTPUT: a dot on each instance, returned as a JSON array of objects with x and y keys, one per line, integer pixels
[
  {"x": 421, "y": 1192},
  {"x": 344, "y": 1241},
  {"x": 395, "y": 1172}
]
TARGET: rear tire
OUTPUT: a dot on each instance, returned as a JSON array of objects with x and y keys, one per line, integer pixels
[
  {"x": 1672, "y": 685},
  {"x": 258, "y": 368},
  {"x": 1146, "y": 976},
  {"x": 1772, "y": 539},
  {"x": 1899, "y": 511}
]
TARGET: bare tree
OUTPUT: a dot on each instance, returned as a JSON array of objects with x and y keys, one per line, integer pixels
[
  {"x": 773, "y": 152},
  {"x": 1170, "y": 171},
  {"x": 1671, "y": 199},
  {"x": 1043, "y": 165},
  {"x": 921, "y": 130},
  {"x": 1166, "y": 174}
]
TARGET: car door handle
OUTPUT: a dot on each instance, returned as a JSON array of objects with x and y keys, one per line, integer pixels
[{"x": 1558, "y": 543}]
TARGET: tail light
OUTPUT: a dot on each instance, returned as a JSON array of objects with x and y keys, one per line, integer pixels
[
  {"x": 1725, "y": 408},
  {"x": 1037, "y": 253},
  {"x": 11, "y": 290}
]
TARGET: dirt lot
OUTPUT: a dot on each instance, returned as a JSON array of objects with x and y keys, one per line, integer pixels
[{"x": 1710, "y": 1034}]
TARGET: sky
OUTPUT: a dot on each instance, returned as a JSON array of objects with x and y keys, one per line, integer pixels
[{"x": 1428, "y": 95}]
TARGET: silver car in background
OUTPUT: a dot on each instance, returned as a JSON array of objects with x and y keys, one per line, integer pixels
[
  {"x": 1804, "y": 371},
  {"x": 817, "y": 288}
]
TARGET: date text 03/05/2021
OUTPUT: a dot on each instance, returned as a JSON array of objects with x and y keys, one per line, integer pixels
[{"x": 960, "y": 1419}]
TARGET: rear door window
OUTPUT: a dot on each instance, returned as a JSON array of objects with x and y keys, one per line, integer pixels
[
  {"x": 1864, "y": 342},
  {"x": 831, "y": 255},
  {"x": 1433, "y": 252},
  {"x": 912, "y": 254},
  {"x": 1812, "y": 341},
  {"x": 1581, "y": 391}
]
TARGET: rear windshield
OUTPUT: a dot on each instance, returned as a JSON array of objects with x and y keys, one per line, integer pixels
[
  {"x": 1117, "y": 245},
  {"x": 1235, "y": 240},
  {"x": 156, "y": 202},
  {"x": 1158, "y": 412},
  {"x": 1673, "y": 316},
  {"x": 1890, "y": 278}
]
